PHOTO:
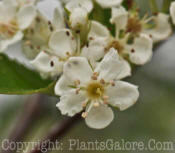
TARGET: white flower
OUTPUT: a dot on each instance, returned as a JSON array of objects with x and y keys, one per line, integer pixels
[
  {"x": 162, "y": 29},
  {"x": 72, "y": 4},
  {"x": 81, "y": 88},
  {"x": 139, "y": 51},
  {"x": 172, "y": 11},
  {"x": 98, "y": 36},
  {"x": 157, "y": 26},
  {"x": 109, "y": 3},
  {"x": 38, "y": 34},
  {"x": 62, "y": 45},
  {"x": 78, "y": 18},
  {"x": 13, "y": 21}
]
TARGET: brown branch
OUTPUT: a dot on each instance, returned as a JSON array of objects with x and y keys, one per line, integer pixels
[
  {"x": 57, "y": 133},
  {"x": 32, "y": 108}
]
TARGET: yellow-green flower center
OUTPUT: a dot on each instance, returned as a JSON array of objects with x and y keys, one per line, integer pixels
[
  {"x": 7, "y": 30},
  {"x": 95, "y": 90},
  {"x": 134, "y": 25}
]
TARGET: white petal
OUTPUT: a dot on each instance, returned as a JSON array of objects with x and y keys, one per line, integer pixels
[
  {"x": 111, "y": 66},
  {"x": 71, "y": 5},
  {"x": 61, "y": 42},
  {"x": 58, "y": 19},
  {"x": 5, "y": 43},
  {"x": 172, "y": 11},
  {"x": 99, "y": 117},
  {"x": 26, "y": 15},
  {"x": 162, "y": 30},
  {"x": 126, "y": 70},
  {"x": 7, "y": 10},
  {"x": 78, "y": 18},
  {"x": 109, "y": 3},
  {"x": 123, "y": 95},
  {"x": 47, "y": 64},
  {"x": 119, "y": 17},
  {"x": 98, "y": 30},
  {"x": 78, "y": 68},
  {"x": 63, "y": 85},
  {"x": 71, "y": 103},
  {"x": 10, "y": 3},
  {"x": 141, "y": 51},
  {"x": 39, "y": 32},
  {"x": 95, "y": 50}
]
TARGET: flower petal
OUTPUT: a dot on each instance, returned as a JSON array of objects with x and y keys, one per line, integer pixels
[
  {"x": 172, "y": 11},
  {"x": 71, "y": 103},
  {"x": 99, "y": 117},
  {"x": 78, "y": 18},
  {"x": 5, "y": 43},
  {"x": 94, "y": 50},
  {"x": 58, "y": 19},
  {"x": 62, "y": 42},
  {"x": 119, "y": 17},
  {"x": 123, "y": 95},
  {"x": 77, "y": 68},
  {"x": 7, "y": 10},
  {"x": 109, "y": 3},
  {"x": 47, "y": 65},
  {"x": 141, "y": 51},
  {"x": 26, "y": 15},
  {"x": 71, "y": 5},
  {"x": 162, "y": 29},
  {"x": 98, "y": 30},
  {"x": 111, "y": 66},
  {"x": 63, "y": 85},
  {"x": 126, "y": 70}
]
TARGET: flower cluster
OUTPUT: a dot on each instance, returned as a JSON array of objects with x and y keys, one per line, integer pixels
[{"x": 87, "y": 59}]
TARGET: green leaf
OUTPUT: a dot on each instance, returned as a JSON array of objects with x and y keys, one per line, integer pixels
[{"x": 17, "y": 79}]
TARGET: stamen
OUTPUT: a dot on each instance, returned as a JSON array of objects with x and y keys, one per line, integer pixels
[
  {"x": 84, "y": 114},
  {"x": 28, "y": 42},
  {"x": 95, "y": 76},
  {"x": 102, "y": 81},
  {"x": 96, "y": 104},
  {"x": 112, "y": 83},
  {"x": 84, "y": 104},
  {"x": 77, "y": 91},
  {"x": 77, "y": 82}
]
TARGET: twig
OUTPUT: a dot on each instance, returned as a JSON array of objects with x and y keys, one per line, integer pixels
[
  {"x": 31, "y": 109},
  {"x": 57, "y": 133}
]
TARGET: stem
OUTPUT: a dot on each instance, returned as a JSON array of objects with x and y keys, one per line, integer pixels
[
  {"x": 57, "y": 133},
  {"x": 153, "y": 5},
  {"x": 31, "y": 110}
]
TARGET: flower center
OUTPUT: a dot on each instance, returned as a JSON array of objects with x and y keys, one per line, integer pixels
[
  {"x": 7, "y": 30},
  {"x": 134, "y": 25},
  {"x": 117, "y": 45},
  {"x": 95, "y": 90}
]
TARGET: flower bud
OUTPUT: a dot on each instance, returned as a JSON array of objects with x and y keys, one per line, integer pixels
[{"x": 78, "y": 18}]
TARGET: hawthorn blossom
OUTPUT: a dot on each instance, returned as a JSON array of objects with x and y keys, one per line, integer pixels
[
  {"x": 89, "y": 3},
  {"x": 38, "y": 34},
  {"x": 172, "y": 11},
  {"x": 138, "y": 52},
  {"x": 157, "y": 26},
  {"x": 109, "y": 3},
  {"x": 71, "y": 5},
  {"x": 14, "y": 19},
  {"x": 94, "y": 90}
]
